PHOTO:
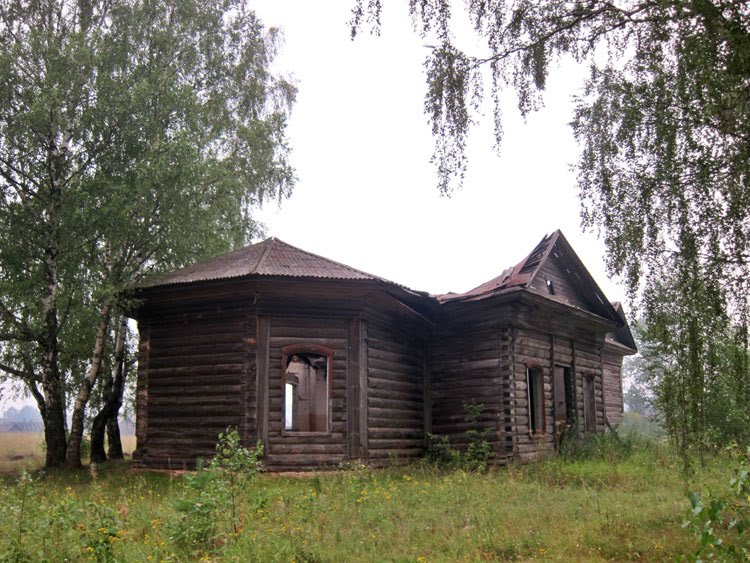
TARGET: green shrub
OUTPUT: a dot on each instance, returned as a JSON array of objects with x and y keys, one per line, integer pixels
[
  {"x": 441, "y": 453},
  {"x": 213, "y": 495},
  {"x": 722, "y": 525},
  {"x": 478, "y": 452}
]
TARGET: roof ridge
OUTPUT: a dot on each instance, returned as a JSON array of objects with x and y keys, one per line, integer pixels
[
  {"x": 269, "y": 242},
  {"x": 550, "y": 241}
]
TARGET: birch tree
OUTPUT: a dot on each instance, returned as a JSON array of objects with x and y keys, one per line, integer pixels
[
  {"x": 134, "y": 136},
  {"x": 662, "y": 120}
]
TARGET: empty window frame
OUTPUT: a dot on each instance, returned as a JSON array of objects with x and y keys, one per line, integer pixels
[
  {"x": 589, "y": 403},
  {"x": 550, "y": 286},
  {"x": 564, "y": 392},
  {"x": 535, "y": 396},
  {"x": 306, "y": 384}
]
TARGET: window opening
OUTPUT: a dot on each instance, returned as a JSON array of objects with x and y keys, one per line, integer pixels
[
  {"x": 291, "y": 399},
  {"x": 570, "y": 395},
  {"x": 550, "y": 287},
  {"x": 564, "y": 393},
  {"x": 535, "y": 396},
  {"x": 306, "y": 392},
  {"x": 589, "y": 403}
]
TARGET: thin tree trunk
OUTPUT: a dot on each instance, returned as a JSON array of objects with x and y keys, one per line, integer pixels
[
  {"x": 118, "y": 389},
  {"x": 73, "y": 457},
  {"x": 113, "y": 389},
  {"x": 99, "y": 426}
]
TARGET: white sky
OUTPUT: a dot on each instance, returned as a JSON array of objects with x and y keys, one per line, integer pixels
[{"x": 367, "y": 195}]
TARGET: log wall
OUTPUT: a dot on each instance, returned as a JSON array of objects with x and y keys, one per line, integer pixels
[
  {"x": 395, "y": 390},
  {"x": 196, "y": 377},
  {"x": 469, "y": 362},
  {"x": 532, "y": 349},
  {"x": 287, "y": 450},
  {"x": 546, "y": 341},
  {"x": 395, "y": 376},
  {"x": 613, "y": 400},
  {"x": 589, "y": 364}
]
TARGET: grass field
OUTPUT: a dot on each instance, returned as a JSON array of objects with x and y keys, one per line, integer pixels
[
  {"x": 23, "y": 450},
  {"x": 608, "y": 508}
]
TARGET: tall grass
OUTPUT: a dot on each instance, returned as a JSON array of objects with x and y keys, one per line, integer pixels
[
  {"x": 25, "y": 451},
  {"x": 20, "y": 450},
  {"x": 619, "y": 503}
]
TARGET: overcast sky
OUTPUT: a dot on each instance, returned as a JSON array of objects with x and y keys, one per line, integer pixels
[{"x": 366, "y": 193}]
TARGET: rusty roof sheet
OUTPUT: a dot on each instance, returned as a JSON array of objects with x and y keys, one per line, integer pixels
[
  {"x": 271, "y": 257},
  {"x": 274, "y": 257},
  {"x": 520, "y": 276},
  {"x": 517, "y": 277}
]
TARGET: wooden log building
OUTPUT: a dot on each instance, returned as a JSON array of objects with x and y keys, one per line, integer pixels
[{"x": 327, "y": 364}]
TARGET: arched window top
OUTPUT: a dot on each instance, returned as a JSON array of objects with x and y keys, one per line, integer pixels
[{"x": 302, "y": 348}]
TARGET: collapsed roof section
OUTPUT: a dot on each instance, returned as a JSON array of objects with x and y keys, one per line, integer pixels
[{"x": 552, "y": 260}]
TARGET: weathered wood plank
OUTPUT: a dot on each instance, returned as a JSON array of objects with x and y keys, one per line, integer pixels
[
  {"x": 353, "y": 389},
  {"x": 263, "y": 349}
]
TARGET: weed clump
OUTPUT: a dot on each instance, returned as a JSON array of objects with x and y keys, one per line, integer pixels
[
  {"x": 609, "y": 446},
  {"x": 722, "y": 524},
  {"x": 213, "y": 495},
  {"x": 478, "y": 452}
]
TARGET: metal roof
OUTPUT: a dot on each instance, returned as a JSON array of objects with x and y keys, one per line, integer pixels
[
  {"x": 521, "y": 275},
  {"x": 274, "y": 257},
  {"x": 517, "y": 277},
  {"x": 271, "y": 257}
]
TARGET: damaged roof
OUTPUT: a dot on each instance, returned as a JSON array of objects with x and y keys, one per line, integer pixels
[
  {"x": 521, "y": 276},
  {"x": 271, "y": 257},
  {"x": 274, "y": 257},
  {"x": 623, "y": 335}
]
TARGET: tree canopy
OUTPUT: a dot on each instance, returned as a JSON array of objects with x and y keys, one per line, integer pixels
[
  {"x": 134, "y": 137},
  {"x": 663, "y": 121}
]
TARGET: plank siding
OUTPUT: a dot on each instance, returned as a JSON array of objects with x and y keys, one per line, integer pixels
[
  {"x": 563, "y": 282},
  {"x": 197, "y": 372}
]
